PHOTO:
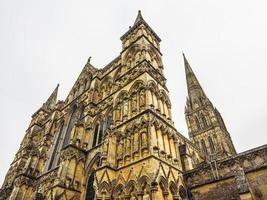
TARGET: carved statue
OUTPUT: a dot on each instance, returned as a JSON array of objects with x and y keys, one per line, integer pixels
[
  {"x": 120, "y": 149},
  {"x": 142, "y": 98},
  {"x": 128, "y": 145},
  {"x": 105, "y": 146},
  {"x": 72, "y": 133},
  {"x": 132, "y": 196},
  {"x": 146, "y": 195},
  {"x": 125, "y": 108},
  {"x": 136, "y": 142},
  {"x": 118, "y": 113},
  {"x": 144, "y": 139},
  {"x": 134, "y": 103}
]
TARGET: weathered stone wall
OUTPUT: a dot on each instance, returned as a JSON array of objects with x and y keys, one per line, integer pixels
[{"x": 243, "y": 176}]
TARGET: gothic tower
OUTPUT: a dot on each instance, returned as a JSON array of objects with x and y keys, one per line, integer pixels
[
  {"x": 205, "y": 124},
  {"x": 112, "y": 138}
]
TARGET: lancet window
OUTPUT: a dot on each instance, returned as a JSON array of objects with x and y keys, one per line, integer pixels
[
  {"x": 55, "y": 148},
  {"x": 76, "y": 115},
  {"x": 70, "y": 126},
  {"x": 204, "y": 147},
  {"x": 197, "y": 123},
  {"x": 204, "y": 120},
  {"x": 211, "y": 144}
]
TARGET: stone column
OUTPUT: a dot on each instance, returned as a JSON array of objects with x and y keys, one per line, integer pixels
[
  {"x": 140, "y": 195},
  {"x": 154, "y": 189}
]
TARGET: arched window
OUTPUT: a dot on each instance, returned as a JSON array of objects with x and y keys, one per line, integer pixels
[
  {"x": 98, "y": 133},
  {"x": 90, "y": 191},
  {"x": 204, "y": 120},
  {"x": 95, "y": 135},
  {"x": 72, "y": 121},
  {"x": 212, "y": 148},
  {"x": 204, "y": 147},
  {"x": 197, "y": 122},
  {"x": 55, "y": 149},
  {"x": 101, "y": 131},
  {"x": 81, "y": 115}
]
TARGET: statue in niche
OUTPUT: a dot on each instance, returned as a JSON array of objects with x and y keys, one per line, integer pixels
[
  {"x": 144, "y": 139},
  {"x": 105, "y": 145},
  {"x": 118, "y": 113},
  {"x": 73, "y": 133},
  {"x": 136, "y": 142},
  {"x": 142, "y": 98},
  {"x": 134, "y": 102},
  {"x": 128, "y": 145},
  {"x": 125, "y": 108},
  {"x": 143, "y": 54},
  {"x": 138, "y": 57},
  {"x": 132, "y": 196},
  {"x": 120, "y": 149},
  {"x": 146, "y": 195}
]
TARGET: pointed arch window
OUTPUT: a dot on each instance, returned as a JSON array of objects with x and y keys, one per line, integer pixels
[
  {"x": 71, "y": 123},
  {"x": 101, "y": 132},
  {"x": 95, "y": 135},
  {"x": 90, "y": 191},
  {"x": 204, "y": 147},
  {"x": 197, "y": 122},
  {"x": 81, "y": 115},
  {"x": 55, "y": 149},
  {"x": 98, "y": 133},
  {"x": 212, "y": 148},
  {"x": 204, "y": 120}
]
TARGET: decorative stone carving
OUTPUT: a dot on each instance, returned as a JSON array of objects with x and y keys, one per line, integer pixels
[
  {"x": 134, "y": 102},
  {"x": 142, "y": 98}
]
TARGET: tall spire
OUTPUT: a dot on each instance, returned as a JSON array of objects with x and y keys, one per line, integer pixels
[
  {"x": 52, "y": 100},
  {"x": 191, "y": 79}
]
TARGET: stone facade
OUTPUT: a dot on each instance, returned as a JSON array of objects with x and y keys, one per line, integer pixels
[{"x": 113, "y": 138}]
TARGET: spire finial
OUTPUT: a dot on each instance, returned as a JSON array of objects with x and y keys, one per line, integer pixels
[
  {"x": 139, "y": 17},
  {"x": 89, "y": 59}
]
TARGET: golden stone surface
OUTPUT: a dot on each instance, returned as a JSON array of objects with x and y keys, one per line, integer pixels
[{"x": 114, "y": 138}]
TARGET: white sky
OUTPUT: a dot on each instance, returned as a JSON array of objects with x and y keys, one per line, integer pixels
[{"x": 43, "y": 43}]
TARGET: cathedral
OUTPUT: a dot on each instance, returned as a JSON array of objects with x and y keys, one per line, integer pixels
[{"x": 113, "y": 138}]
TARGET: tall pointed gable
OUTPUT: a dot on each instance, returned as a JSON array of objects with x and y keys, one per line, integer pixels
[{"x": 138, "y": 21}]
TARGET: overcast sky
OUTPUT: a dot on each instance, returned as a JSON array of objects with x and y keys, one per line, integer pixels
[{"x": 43, "y": 43}]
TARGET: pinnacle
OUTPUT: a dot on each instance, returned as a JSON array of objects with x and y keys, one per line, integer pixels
[
  {"x": 51, "y": 101},
  {"x": 139, "y": 17}
]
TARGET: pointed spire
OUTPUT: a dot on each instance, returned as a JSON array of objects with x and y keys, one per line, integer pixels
[
  {"x": 191, "y": 79},
  {"x": 196, "y": 95},
  {"x": 52, "y": 100}
]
